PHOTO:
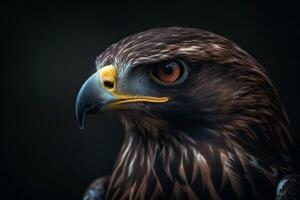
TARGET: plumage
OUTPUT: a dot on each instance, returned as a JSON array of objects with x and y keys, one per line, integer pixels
[{"x": 222, "y": 134}]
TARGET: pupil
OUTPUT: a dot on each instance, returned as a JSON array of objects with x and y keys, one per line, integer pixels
[{"x": 168, "y": 70}]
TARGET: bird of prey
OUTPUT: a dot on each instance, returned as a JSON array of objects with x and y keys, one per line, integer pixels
[{"x": 202, "y": 119}]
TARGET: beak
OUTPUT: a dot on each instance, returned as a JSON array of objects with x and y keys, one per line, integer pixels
[
  {"x": 99, "y": 93},
  {"x": 91, "y": 98}
]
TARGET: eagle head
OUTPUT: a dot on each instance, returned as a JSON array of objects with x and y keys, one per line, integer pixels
[{"x": 202, "y": 118}]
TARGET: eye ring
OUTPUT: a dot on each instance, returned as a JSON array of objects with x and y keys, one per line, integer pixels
[{"x": 170, "y": 73}]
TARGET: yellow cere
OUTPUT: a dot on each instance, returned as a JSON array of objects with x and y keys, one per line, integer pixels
[{"x": 108, "y": 76}]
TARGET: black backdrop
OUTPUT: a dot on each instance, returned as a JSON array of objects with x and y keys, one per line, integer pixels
[{"x": 48, "y": 50}]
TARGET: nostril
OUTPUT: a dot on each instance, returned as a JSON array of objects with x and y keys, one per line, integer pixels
[{"x": 109, "y": 84}]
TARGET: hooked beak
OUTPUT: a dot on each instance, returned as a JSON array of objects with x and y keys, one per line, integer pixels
[
  {"x": 91, "y": 98},
  {"x": 99, "y": 93}
]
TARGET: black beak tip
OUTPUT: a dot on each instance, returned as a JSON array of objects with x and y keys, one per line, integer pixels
[
  {"x": 80, "y": 116},
  {"x": 81, "y": 124}
]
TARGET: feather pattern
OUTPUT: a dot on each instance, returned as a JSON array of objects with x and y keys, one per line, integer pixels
[{"x": 230, "y": 141}]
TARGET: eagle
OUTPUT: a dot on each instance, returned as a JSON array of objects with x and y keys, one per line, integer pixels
[{"x": 202, "y": 119}]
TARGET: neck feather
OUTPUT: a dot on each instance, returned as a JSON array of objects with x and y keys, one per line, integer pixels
[{"x": 177, "y": 165}]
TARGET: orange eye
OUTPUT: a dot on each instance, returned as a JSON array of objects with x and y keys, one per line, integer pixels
[{"x": 168, "y": 73}]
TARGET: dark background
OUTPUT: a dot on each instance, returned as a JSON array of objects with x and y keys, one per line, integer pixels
[{"x": 48, "y": 50}]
